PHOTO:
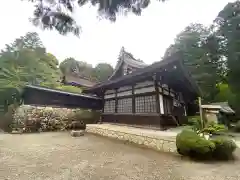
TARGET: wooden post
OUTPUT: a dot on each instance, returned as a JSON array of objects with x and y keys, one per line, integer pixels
[{"x": 200, "y": 111}]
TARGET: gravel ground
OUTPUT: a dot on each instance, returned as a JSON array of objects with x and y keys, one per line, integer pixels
[{"x": 59, "y": 156}]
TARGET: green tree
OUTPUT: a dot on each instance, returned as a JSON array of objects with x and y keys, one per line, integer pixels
[
  {"x": 199, "y": 49},
  {"x": 30, "y": 41},
  {"x": 81, "y": 68},
  {"x": 227, "y": 22},
  {"x": 25, "y": 63},
  {"x": 69, "y": 65},
  {"x": 103, "y": 71},
  {"x": 58, "y": 14},
  {"x": 225, "y": 94},
  {"x": 25, "y": 66}
]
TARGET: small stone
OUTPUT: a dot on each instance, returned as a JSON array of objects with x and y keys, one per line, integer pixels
[{"x": 75, "y": 133}]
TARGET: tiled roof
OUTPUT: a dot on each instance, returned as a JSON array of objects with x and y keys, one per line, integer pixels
[
  {"x": 126, "y": 57},
  {"x": 222, "y": 106},
  {"x": 154, "y": 68}
]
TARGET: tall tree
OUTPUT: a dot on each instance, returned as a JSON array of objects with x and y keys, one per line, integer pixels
[
  {"x": 103, "y": 71},
  {"x": 100, "y": 73},
  {"x": 25, "y": 66},
  {"x": 228, "y": 22},
  {"x": 69, "y": 65},
  {"x": 81, "y": 68},
  {"x": 57, "y": 14},
  {"x": 198, "y": 47},
  {"x": 30, "y": 41},
  {"x": 21, "y": 63}
]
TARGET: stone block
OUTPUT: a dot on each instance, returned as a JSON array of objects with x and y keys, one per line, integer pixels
[{"x": 78, "y": 133}]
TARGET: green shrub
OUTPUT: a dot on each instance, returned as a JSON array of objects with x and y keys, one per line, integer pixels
[
  {"x": 224, "y": 148},
  {"x": 214, "y": 128},
  {"x": 193, "y": 119},
  {"x": 190, "y": 144},
  {"x": 195, "y": 122}
]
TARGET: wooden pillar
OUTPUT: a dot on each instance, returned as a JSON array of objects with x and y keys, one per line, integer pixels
[
  {"x": 161, "y": 104},
  {"x": 185, "y": 110},
  {"x": 157, "y": 96},
  {"x": 103, "y": 100},
  {"x": 133, "y": 101},
  {"x": 116, "y": 101},
  {"x": 157, "y": 99},
  {"x": 103, "y": 104},
  {"x": 116, "y": 104}
]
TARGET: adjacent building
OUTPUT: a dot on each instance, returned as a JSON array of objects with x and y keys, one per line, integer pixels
[{"x": 74, "y": 79}]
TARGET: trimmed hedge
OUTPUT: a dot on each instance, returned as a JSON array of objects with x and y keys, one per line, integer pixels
[
  {"x": 224, "y": 148},
  {"x": 189, "y": 143}
]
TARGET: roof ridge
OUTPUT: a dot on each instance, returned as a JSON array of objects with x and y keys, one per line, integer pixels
[{"x": 123, "y": 51}]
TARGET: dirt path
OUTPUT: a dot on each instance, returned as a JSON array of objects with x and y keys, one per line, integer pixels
[{"x": 57, "y": 156}]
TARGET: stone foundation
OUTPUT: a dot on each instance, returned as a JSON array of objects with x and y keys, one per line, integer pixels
[{"x": 153, "y": 141}]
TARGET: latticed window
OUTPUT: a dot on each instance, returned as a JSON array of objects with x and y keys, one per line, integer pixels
[
  {"x": 109, "y": 106},
  {"x": 146, "y": 104},
  {"x": 124, "y": 105}
]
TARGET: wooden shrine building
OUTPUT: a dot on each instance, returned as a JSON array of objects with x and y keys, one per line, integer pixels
[{"x": 158, "y": 95}]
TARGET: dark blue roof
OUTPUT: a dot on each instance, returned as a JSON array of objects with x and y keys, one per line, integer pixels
[{"x": 60, "y": 91}]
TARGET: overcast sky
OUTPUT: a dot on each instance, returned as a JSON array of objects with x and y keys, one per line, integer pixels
[{"x": 146, "y": 37}]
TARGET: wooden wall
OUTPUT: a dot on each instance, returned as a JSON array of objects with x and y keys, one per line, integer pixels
[
  {"x": 168, "y": 103},
  {"x": 165, "y": 97}
]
